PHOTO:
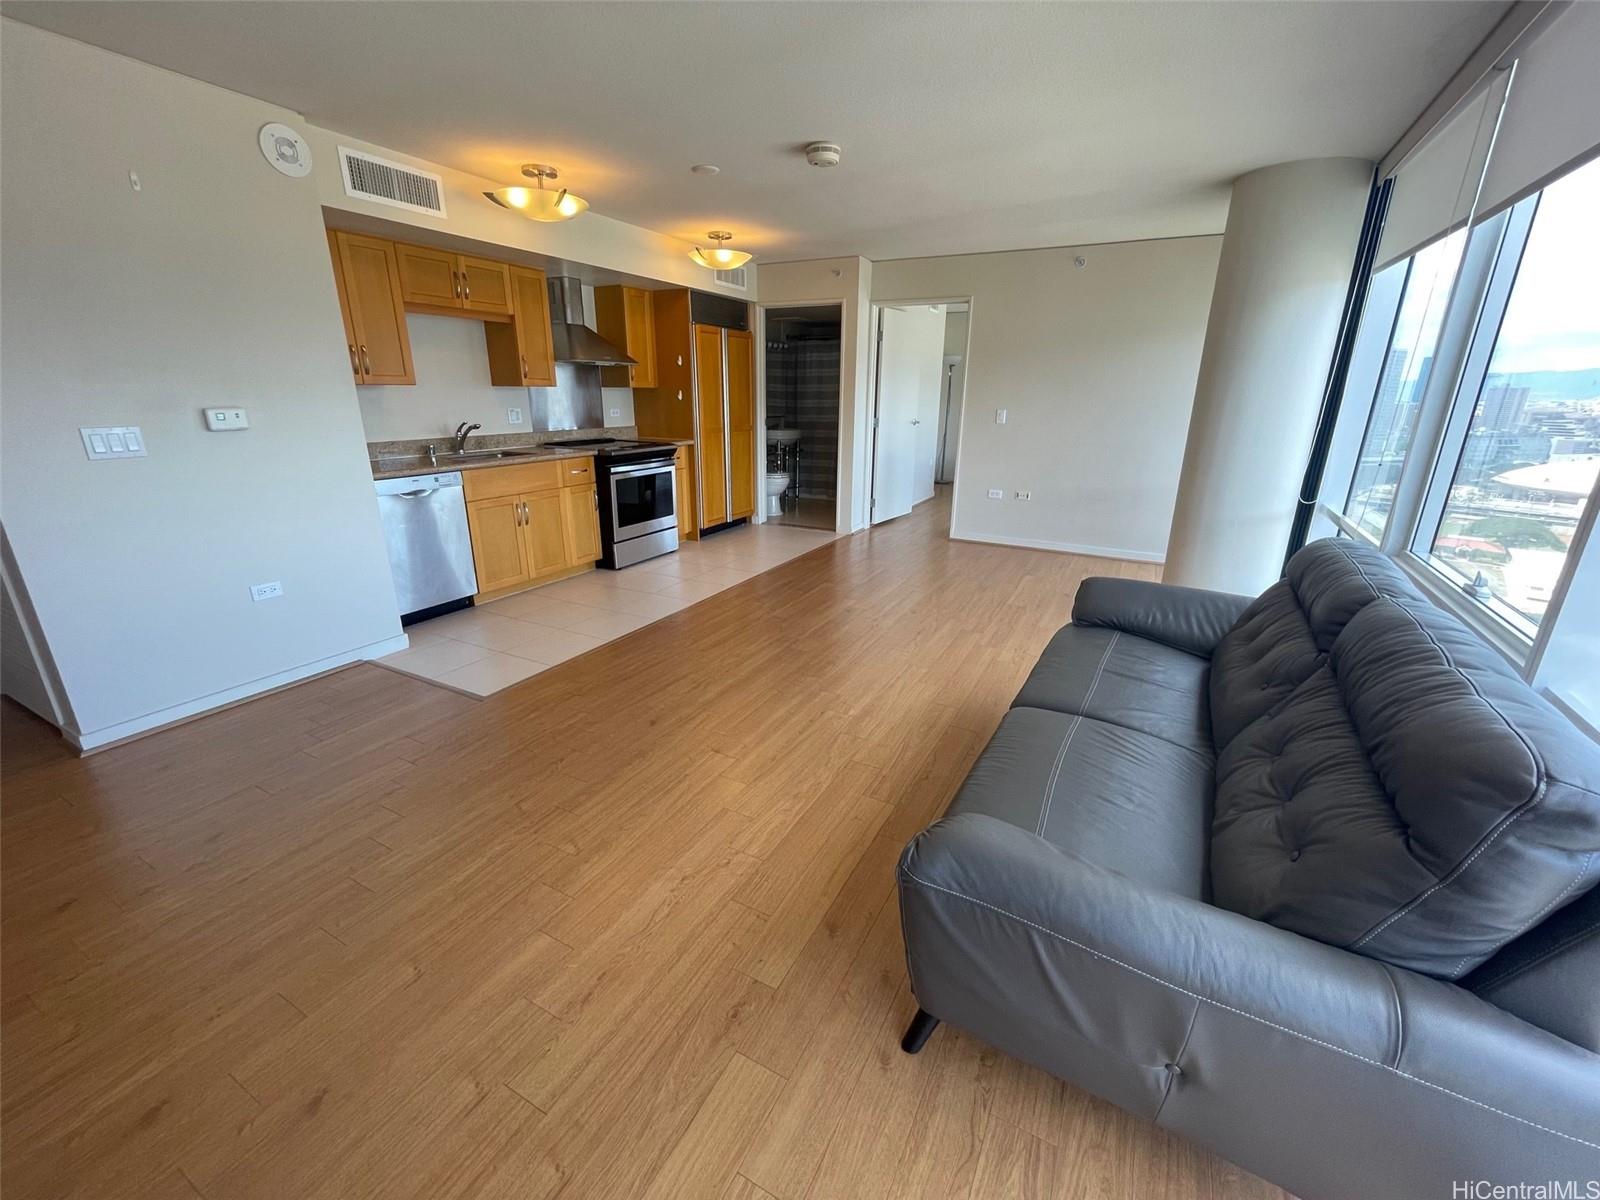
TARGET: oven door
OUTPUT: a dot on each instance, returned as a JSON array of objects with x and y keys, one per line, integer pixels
[{"x": 642, "y": 499}]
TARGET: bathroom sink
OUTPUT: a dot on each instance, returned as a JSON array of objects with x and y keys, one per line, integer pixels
[{"x": 782, "y": 437}]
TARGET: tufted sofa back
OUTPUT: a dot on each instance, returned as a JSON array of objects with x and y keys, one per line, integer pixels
[{"x": 1385, "y": 782}]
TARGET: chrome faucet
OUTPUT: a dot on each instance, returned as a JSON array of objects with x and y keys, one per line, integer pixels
[{"x": 463, "y": 431}]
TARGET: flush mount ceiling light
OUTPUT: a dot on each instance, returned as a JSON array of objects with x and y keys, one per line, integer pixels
[
  {"x": 720, "y": 258},
  {"x": 538, "y": 203}
]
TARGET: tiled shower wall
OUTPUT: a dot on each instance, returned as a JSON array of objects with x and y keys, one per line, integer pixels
[{"x": 803, "y": 394}]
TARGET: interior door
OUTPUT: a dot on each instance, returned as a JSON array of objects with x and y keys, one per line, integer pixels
[
  {"x": 741, "y": 422},
  {"x": 372, "y": 283},
  {"x": 910, "y": 356},
  {"x": 711, "y": 444}
]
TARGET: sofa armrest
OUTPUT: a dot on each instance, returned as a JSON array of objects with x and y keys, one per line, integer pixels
[
  {"x": 1325, "y": 1071},
  {"x": 1189, "y": 619}
]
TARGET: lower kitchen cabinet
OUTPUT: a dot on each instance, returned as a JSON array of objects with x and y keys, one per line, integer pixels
[
  {"x": 527, "y": 527},
  {"x": 499, "y": 549},
  {"x": 581, "y": 524}
]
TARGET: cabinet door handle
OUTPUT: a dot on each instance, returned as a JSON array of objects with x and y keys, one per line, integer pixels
[
  {"x": 524, "y": 366},
  {"x": 525, "y": 517},
  {"x": 355, "y": 363},
  {"x": 455, "y": 283},
  {"x": 466, "y": 288},
  {"x": 366, "y": 362}
]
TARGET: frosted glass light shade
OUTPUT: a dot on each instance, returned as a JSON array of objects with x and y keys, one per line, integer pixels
[{"x": 539, "y": 204}]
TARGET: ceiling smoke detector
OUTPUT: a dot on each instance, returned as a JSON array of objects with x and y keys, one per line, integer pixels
[{"x": 823, "y": 154}]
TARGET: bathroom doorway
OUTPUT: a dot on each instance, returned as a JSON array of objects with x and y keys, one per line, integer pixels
[{"x": 801, "y": 481}]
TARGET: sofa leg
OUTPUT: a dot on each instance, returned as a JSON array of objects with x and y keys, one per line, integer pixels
[{"x": 918, "y": 1032}]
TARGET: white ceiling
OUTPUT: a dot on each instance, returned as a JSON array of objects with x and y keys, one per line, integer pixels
[{"x": 966, "y": 127}]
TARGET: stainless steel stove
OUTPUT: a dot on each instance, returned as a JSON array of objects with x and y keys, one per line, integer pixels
[{"x": 635, "y": 482}]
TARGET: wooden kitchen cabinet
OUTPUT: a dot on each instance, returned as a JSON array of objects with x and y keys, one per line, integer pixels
[
  {"x": 522, "y": 353},
  {"x": 544, "y": 518},
  {"x": 625, "y": 317},
  {"x": 434, "y": 280},
  {"x": 367, "y": 274},
  {"x": 499, "y": 550},
  {"x": 712, "y": 429},
  {"x": 741, "y": 423},
  {"x": 581, "y": 524},
  {"x": 530, "y": 526},
  {"x": 683, "y": 477}
]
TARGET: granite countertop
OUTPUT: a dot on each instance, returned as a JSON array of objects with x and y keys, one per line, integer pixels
[{"x": 394, "y": 460}]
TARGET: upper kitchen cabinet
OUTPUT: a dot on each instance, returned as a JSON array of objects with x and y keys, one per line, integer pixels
[
  {"x": 367, "y": 272},
  {"x": 521, "y": 353},
  {"x": 439, "y": 281},
  {"x": 625, "y": 317}
]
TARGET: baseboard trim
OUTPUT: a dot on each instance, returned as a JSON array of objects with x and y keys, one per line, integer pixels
[
  {"x": 203, "y": 706},
  {"x": 1143, "y": 556}
]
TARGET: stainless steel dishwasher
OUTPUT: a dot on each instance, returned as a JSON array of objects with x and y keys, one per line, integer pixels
[{"x": 430, "y": 550}]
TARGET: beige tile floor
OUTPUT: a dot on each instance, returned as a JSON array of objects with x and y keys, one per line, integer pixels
[{"x": 483, "y": 649}]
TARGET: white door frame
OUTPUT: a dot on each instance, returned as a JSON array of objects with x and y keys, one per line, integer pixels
[
  {"x": 841, "y": 518},
  {"x": 878, "y": 304}
]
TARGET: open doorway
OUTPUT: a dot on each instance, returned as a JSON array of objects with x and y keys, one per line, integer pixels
[
  {"x": 953, "y": 385},
  {"x": 801, "y": 481},
  {"x": 915, "y": 403}
]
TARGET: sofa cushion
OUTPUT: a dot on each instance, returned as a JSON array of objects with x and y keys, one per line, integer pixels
[
  {"x": 1120, "y": 798},
  {"x": 1281, "y": 639},
  {"x": 1548, "y": 975},
  {"x": 1411, "y": 800},
  {"x": 1123, "y": 680}
]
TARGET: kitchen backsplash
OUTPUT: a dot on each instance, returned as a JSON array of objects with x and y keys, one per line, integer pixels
[{"x": 452, "y": 386}]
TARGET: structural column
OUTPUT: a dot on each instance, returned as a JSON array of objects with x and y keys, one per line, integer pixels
[{"x": 1287, "y": 254}]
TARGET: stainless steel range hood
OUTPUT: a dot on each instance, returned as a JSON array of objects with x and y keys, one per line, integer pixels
[{"x": 573, "y": 340}]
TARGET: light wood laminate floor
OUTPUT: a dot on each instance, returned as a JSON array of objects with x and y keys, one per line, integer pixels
[{"x": 626, "y": 929}]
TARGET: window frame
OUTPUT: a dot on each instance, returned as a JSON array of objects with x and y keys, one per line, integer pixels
[{"x": 1480, "y": 296}]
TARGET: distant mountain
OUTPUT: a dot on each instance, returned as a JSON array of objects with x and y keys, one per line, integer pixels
[{"x": 1555, "y": 385}]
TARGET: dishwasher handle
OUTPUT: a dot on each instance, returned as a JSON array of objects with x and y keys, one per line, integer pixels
[{"x": 416, "y": 495}]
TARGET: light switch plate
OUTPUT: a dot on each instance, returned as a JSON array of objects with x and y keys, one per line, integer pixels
[
  {"x": 113, "y": 441},
  {"x": 996, "y": 494},
  {"x": 1000, "y": 416},
  {"x": 226, "y": 420},
  {"x": 513, "y": 416}
]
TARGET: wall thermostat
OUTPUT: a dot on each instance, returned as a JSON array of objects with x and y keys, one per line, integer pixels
[{"x": 286, "y": 150}]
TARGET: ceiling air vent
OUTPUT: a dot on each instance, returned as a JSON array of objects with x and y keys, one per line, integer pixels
[
  {"x": 368, "y": 177},
  {"x": 736, "y": 278}
]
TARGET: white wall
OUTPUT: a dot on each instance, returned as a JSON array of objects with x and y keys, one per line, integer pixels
[
  {"x": 209, "y": 286},
  {"x": 1096, "y": 368},
  {"x": 593, "y": 239},
  {"x": 848, "y": 281},
  {"x": 452, "y": 386}
]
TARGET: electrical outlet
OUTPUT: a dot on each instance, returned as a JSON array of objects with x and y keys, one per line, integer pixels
[
  {"x": 513, "y": 416},
  {"x": 996, "y": 494},
  {"x": 616, "y": 412},
  {"x": 1024, "y": 495},
  {"x": 266, "y": 591}
]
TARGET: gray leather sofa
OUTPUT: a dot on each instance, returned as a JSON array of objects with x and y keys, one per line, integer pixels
[{"x": 1308, "y": 878}]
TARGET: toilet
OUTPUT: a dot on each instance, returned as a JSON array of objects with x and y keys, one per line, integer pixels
[{"x": 777, "y": 485}]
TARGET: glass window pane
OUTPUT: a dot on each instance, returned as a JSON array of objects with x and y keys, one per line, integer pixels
[
  {"x": 1404, "y": 378},
  {"x": 1532, "y": 449}
]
